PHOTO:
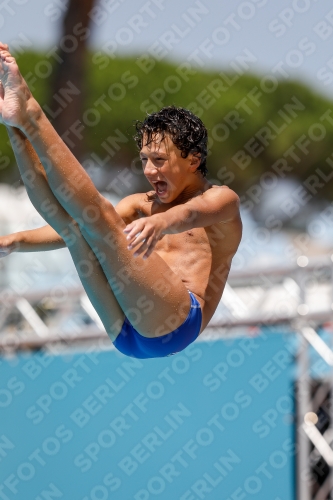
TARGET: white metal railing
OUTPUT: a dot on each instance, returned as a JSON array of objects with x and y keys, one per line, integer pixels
[{"x": 293, "y": 295}]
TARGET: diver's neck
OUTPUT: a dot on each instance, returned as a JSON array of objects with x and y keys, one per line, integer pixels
[{"x": 193, "y": 190}]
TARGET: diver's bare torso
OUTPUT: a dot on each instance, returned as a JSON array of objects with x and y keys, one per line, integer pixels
[{"x": 201, "y": 257}]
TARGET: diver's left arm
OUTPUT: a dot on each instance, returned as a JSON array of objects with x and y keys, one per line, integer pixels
[
  {"x": 216, "y": 205},
  {"x": 212, "y": 207}
]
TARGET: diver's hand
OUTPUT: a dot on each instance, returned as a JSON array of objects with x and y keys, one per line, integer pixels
[
  {"x": 8, "y": 244},
  {"x": 143, "y": 234}
]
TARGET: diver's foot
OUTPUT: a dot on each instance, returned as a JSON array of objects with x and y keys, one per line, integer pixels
[{"x": 17, "y": 105}]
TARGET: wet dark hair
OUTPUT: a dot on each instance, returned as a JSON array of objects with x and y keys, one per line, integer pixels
[{"x": 186, "y": 130}]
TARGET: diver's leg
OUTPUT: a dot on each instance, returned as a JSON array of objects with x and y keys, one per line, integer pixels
[
  {"x": 88, "y": 267},
  {"x": 148, "y": 285}
]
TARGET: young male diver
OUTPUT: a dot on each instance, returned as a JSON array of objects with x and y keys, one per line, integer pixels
[{"x": 155, "y": 266}]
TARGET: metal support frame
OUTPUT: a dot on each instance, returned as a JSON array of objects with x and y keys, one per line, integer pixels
[{"x": 303, "y": 406}]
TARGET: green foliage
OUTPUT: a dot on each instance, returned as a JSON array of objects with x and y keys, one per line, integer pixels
[{"x": 251, "y": 124}]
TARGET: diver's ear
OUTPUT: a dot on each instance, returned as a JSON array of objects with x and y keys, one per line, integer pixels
[{"x": 195, "y": 161}]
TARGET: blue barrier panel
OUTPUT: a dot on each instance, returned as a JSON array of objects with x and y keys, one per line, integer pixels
[{"x": 214, "y": 422}]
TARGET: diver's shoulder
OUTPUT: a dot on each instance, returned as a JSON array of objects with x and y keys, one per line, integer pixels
[{"x": 222, "y": 193}]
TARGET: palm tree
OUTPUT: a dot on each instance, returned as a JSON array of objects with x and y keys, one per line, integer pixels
[{"x": 68, "y": 89}]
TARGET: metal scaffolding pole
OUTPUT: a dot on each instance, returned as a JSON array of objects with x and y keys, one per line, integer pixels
[
  {"x": 330, "y": 478},
  {"x": 303, "y": 406}
]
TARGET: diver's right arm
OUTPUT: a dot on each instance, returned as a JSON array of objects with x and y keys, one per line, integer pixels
[
  {"x": 34, "y": 240},
  {"x": 46, "y": 238}
]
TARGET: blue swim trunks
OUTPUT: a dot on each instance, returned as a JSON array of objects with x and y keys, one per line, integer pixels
[{"x": 132, "y": 343}]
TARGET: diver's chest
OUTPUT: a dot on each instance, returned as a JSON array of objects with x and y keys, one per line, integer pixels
[{"x": 183, "y": 242}]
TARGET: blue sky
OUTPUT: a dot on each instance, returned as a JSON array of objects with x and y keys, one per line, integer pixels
[{"x": 291, "y": 38}]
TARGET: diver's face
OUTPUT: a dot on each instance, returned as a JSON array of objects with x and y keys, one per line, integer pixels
[{"x": 165, "y": 169}]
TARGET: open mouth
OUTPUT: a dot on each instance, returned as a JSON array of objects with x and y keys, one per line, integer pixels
[{"x": 160, "y": 187}]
